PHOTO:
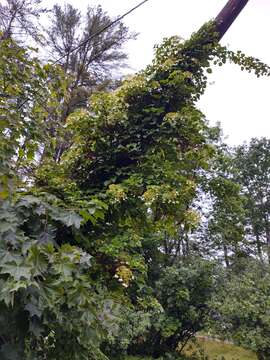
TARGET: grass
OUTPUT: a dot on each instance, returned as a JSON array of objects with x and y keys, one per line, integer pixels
[
  {"x": 216, "y": 350},
  {"x": 137, "y": 358}
]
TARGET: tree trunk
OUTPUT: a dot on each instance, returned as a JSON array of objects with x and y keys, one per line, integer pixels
[
  {"x": 226, "y": 257},
  {"x": 228, "y": 14},
  {"x": 267, "y": 233},
  {"x": 259, "y": 247}
]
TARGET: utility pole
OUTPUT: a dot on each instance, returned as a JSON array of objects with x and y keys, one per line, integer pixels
[{"x": 228, "y": 14}]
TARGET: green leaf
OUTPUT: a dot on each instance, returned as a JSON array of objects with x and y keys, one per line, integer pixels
[
  {"x": 37, "y": 261},
  {"x": 17, "y": 271},
  {"x": 68, "y": 218},
  {"x": 33, "y": 310}
]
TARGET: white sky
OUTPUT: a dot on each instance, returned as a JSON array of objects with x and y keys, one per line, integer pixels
[{"x": 238, "y": 100}]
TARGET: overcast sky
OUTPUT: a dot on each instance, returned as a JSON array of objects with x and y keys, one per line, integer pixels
[{"x": 238, "y": 100}]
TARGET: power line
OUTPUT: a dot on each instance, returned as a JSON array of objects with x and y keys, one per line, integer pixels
[
  {"x": 102, "y": 30},
  {"x": 112, "y": 23}
]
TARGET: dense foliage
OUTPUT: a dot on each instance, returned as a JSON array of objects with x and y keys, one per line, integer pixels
[
  {"x": 100, "y": 250},
  {"x": 241, "y": 308}
]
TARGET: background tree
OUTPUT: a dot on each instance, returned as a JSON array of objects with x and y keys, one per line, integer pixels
[
  {"x": 225, "y": 219},
  {"x": 252, "y": 162},
  {"x": 240, "y": 307},
  {"x": 19, "y": 19},
  {"x": 87, "y": 52}
]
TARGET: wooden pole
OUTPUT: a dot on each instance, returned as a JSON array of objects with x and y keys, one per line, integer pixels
[{"x": 228, "y": 14}]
